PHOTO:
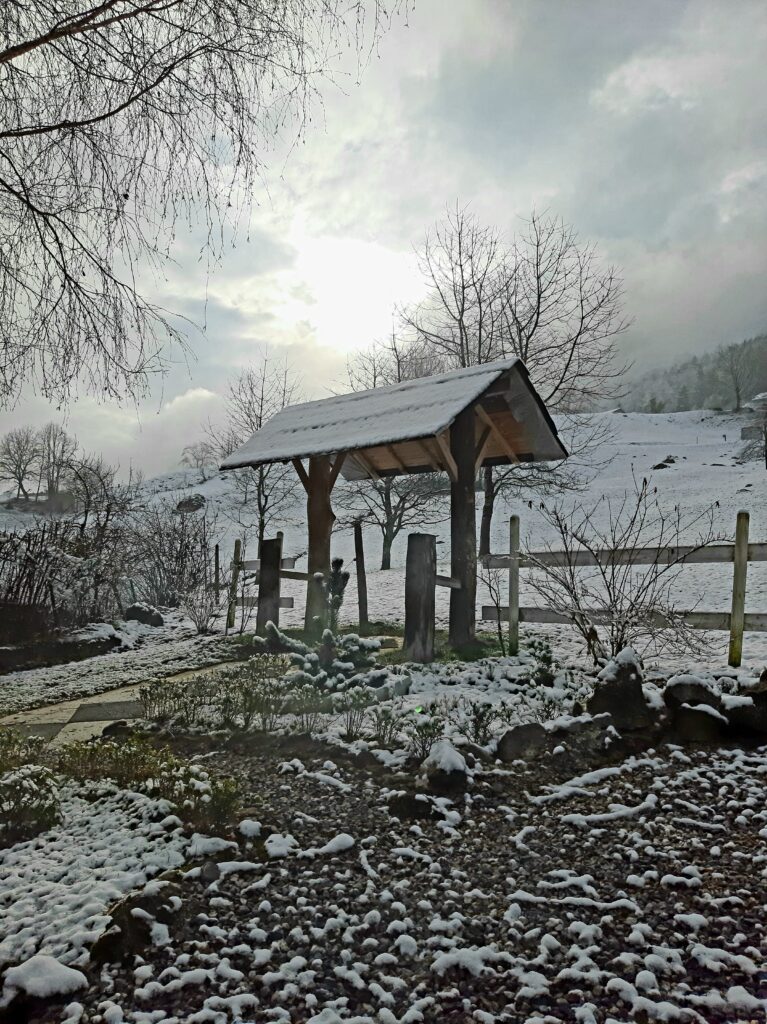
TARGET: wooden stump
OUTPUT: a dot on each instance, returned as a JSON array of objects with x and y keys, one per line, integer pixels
[
  {"x": 269, "y": 584},
  {"x": 420, "y": 582}
]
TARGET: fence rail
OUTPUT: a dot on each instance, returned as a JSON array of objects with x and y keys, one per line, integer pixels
[{"x": 736, "y": 621}]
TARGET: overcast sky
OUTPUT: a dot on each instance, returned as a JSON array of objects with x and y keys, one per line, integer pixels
[{"x": 643, "y": 124}]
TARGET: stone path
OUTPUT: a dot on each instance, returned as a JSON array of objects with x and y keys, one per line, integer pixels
[{"x": 77, "y": 719}]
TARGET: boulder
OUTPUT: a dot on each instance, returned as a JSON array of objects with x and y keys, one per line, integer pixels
[
  {"x": 619, "y": 693},
  {"x": 747, "y": 712},
  {"x": 140, "y": 612},
  {"x": 192, "y": 503},
  {"x": 522, "y": 742},
  {"x": 699, "y": 724},
  {"x": 689, "y": 689},
  {"x": 446, "y": 770}
]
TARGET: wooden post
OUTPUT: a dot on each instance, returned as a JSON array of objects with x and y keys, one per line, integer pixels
[
  {"x": 514, "y": 585},
  {"x": 362, "y": 583},
  {"x": 236, "y": 561},
  {"x": 463, "y": 531},
  {"x": 216, "y": 574},
  {"x": 420, "y": 583},
  {"x": 320, "y": 522},
  {"x": 740, "y": 566},
  {"x": 269, "y": 584}
]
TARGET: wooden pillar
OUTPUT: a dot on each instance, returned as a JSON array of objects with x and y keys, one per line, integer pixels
[
  {"x": 236, "y": 566},
  {"x": 319, "y": 515},
  {"x": 362, "y": 583},
  {"x": 269, "y": 584},
  {"x": 463, "y": 531},
  {"x": 740, "y": 567},
  {"x": 420, "y": 583},
  {"x": 514, "y": 585}
]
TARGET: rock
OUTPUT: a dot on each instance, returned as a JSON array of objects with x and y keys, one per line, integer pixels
[
  {"x": 192, "y": 503},
  {"x": 619, "y": 693},
  {"x": 701, "y": 724},
  {"x": 117, "y": 730},
  {"x": 661, "y": 465},
  {"x": 688, "y": 689},
  {"x": 411, "y": 807},
  {"x": 446, "y": 769},
  {"x": 140, "y": 612},
  {"x": 760, "y": 686},
  {"x": 523, "y": 741},
  {"x": 130, "y": 932},
  {"x": 210, "y": 872},
  {"x": 750, "y": 718}
]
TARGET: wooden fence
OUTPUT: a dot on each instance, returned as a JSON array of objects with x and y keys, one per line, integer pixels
[{"x": 736, "y": 621}]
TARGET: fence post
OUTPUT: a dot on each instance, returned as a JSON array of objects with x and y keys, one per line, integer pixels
[
  {"x": 514, "y": 585},
  {"x": 216, "y": 574},
  {"x": 362, "y": 583},
  {"x": 420, "y": 584},
  {"x": 740, "y": 566},
  {"x": 233, "y": 585},
  {"x": 269, "y": 584}
]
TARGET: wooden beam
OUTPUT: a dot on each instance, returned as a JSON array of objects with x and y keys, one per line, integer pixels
[
  {"x": 303, "y": 476},
  {"x": 444, "y": 447},
  {"x": 367, "y": 465},
  {"x": 397, "y": 460},
  {"x": 481, "y": 448},
  {"x": 430, "y": 460},
  {"x": 336, "y": 468},
  {"x": 484, "y": 416}
]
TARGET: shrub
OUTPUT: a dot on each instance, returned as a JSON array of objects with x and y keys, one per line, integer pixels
[
  {"x": 16, "y": 750},
  {"x": 254, "y": 691},
  {"x": 423, "y": 728},
  {"x": 172, "y": 700},
  {"x": 354, "y": 705},
  {"x": 29, "y": 802},
  {"x": 307, "y": 703},
  {"x": 386, "y": 723}
]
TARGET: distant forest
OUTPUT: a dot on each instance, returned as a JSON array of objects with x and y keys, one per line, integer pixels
[{"x": 725, "y": 379}]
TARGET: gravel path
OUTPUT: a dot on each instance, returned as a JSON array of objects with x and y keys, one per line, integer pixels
[{"x": 634, "y": 892}]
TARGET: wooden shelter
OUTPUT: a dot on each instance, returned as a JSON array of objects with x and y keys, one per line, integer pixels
[{"x": 455, "y": 422}]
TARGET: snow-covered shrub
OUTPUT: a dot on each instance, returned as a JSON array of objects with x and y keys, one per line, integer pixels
[
  {"x": 254, "y": 691},
  {"x": 199, "y": 798},
  {"x": 168, "y": 700},
  {"x": 353, "y": 705},
  {"x": 29, "y": 802},
  {"x": 477, "y": 720},
  {"x": 386, "y": 722},
  {"x": 16, "y": 750},
  {"x": 543, "y": 659},
  {"x": 307, "y": 703},
  {"x": 333, "y": 589},
  {"x": 423, "y": 728},
  {"x": 336, "y": 663}
]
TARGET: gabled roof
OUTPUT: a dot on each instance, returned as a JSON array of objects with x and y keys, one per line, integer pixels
[{"x": 385, "y": 425}]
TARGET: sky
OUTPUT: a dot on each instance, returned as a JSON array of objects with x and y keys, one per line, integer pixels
[{"x": 642, "y": 124}]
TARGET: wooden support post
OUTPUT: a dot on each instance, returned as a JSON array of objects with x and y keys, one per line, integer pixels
[
  {"x": 420, "y": 581},
  {"x": 236, "y": 560},
  {"x": 216, "y": 574},
  {"x": 514, "y": 585},
  {"x": 740, "y": 566},
  {"x": 269, "y": 584},
  {"x": 362, "y": 583},
  {"x": 463, "y": 531},
  {"x": 320, "y": 518}
]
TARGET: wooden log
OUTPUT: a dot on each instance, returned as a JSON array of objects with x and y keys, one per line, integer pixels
[
  {"x": 236, "y": 561},
  {"x": 739, "y": 569},
  {"x": 447, "y": 581},
  {"x": 269, "y": 585},
  {"x": 420, "y": 579},
  {"x": 463, "y": 531},
  {"x": 362, "y": 583},
  {"x": 320, "y": 522},
  {"x": 514, "y": 585}
]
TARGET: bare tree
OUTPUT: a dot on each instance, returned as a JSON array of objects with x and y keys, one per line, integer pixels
[
  {"x": 117, "y": 119},
  {"x": 57, "y": 453},
  {"x": 735, "y": 364},
  {"x": 393, "y": 503},
  {"x": 756, "y": 448},
  {"x": 199, "y": 456},
  {"x": 19, "y": 455},
  {"x": 634, "y": 599},
  {"x": 545, "y": 298},
  {"x": 254, "y": 396}
]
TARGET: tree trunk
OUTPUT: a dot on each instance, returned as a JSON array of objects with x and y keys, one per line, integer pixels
[
  {"x": 320, "y": 521},
  {"x": 488, "y": 504},
  {"x": 463, "y": 531},
  {"x": 388, "y": 540},
  {"x": 362, "y": 583}
]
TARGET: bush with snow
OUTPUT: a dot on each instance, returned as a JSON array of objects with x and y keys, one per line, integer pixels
[{"x": 29, "y": 802}]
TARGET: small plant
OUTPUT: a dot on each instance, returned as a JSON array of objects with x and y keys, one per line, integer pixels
[
  {"x": 252, "y": 692},
  {"x": 307, "y": 704},
  {"x": 29, "y": 802},
  {"x": 545, "y": 666},
  {"x": 386, "y": 723},
  {"x": 423, "y": 729},
  {"x": 171, "y": 700},
  {"x": 333, "y": 588},
  {"x": 476, "y": 719},
  {"x": 354, "y": 705},
  {"x": 16, "y": 750}
]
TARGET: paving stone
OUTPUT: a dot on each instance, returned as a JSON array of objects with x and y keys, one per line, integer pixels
[
  {"x": 108, "y": 711},
  {"x": 46, "y": 729}
]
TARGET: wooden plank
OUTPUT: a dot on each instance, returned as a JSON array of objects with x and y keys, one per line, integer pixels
[
  {"x": 366, "y": 465},
  {"x": 420, "y": 573},
  {"x": 396, "y": 459},
  {"x": 690, "y": 555},
  {"x": 252, "y": 602},
  {"x": 338, "y": 462},
  {"x": 485, "y": 417},
  {"x": 303, "y": 476},
  {"x": 447, "y": 581},
  {"x": 718, "y": 621},
  {"x": 447, "y": 455},
  {"x": 428, "y": 455},
  {"x": 294, "y": 574},
  {"x": 254, "y": 564}
]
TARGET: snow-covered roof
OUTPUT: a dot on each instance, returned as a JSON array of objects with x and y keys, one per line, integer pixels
[{"x": 382, "y": 422}]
